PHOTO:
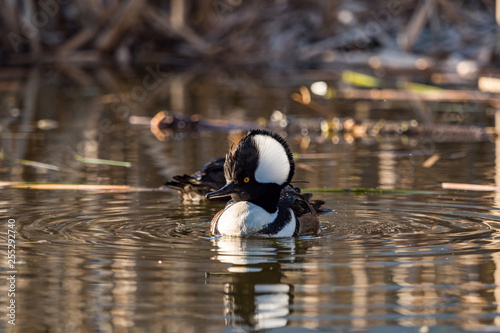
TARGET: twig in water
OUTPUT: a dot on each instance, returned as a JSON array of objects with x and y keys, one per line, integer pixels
[
  {"x": 431, "y": 161},
  {"x": 77, "y": 187},
  {"x": 469, "y": 187}
]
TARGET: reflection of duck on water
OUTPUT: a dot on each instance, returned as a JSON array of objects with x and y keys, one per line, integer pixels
[
  {"x": 257, "y": 299},
  {"x": 254, "y": 295}
]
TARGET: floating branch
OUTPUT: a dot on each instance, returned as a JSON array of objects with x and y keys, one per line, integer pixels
[
  {"x": 76, "y": 187},
  {"x": 38, "y": 165},
  {"x": 35, "y": 164},
  {"x": 431, "y": 161},
  {"x": 470, "y": 187}
]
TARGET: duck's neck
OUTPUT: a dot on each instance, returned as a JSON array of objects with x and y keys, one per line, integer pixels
[{"x": 266, "y": 196}]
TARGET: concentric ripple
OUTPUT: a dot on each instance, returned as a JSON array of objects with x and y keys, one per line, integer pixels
[
  {"x": 441, "y": 219},
  {"x": 127, "y": 220},
  {"x": 112, "y": 222}
]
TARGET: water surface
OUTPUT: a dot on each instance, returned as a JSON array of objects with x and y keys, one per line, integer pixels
[{"x": 416, "y": 259}]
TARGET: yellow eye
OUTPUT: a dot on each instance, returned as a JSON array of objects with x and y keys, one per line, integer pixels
[{"x": 246, "y": 180}]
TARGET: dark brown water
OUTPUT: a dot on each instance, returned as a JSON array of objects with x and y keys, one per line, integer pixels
[{"x": 420, "y": 259}]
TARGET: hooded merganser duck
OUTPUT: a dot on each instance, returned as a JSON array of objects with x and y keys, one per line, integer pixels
[{"x": 258, "y": 171}]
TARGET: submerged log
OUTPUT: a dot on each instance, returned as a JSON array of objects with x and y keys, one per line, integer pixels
[{"x": 167, "y": 122}]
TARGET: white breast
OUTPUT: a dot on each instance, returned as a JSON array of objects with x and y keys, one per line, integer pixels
[{"x": 245, "y": 219}]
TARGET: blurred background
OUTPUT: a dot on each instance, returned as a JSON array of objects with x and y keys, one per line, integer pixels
[
  {"x": 280, "y": 34},
  {"x": 341, "y": 70}
]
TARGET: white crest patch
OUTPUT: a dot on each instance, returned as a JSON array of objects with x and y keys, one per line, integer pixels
[{"x": 273, "y": 165}]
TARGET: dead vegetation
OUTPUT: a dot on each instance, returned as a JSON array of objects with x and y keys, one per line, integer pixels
[{"x": 405, "y": 34}]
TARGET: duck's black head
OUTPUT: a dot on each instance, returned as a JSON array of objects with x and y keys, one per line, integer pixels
[{"x": 256, "y": 169}]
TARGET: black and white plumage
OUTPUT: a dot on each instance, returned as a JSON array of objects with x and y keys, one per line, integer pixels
[
  {"x": 194, "y": 187},
  {"x": 258, "y": 171}
]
